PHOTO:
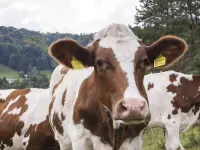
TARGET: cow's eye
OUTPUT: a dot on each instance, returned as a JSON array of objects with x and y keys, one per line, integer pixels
[
  {"x": 100, "y": 63},
  {"x": 101, "y": 66},
  {"x": 144, "y": 63}
]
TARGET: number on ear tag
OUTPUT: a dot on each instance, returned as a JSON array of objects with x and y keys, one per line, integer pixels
[
  {"x": 160, "y": 61},
  {"x": 76, "y": 64}
]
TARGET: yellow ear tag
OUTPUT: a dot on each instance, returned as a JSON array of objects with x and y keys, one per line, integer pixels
[
  {"x": 160, "y": 61},
  {"x": 76, "y": 64}
]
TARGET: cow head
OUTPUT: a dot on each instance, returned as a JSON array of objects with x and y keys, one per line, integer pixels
[{"x": 119, "y": 62}]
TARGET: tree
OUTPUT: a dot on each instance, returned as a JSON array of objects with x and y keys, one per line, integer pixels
[
  {"x": 156, "y": 18},
  {"x": 4, "y": 83},
  {"x": 170, "y": 17},
  {"x": 21, "y": 74},
  {"x": 30, "y": 67}
]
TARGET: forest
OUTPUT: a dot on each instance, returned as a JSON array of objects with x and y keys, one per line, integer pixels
[
  {"x": 26, "y": 52},
  {"x": 21, "y": 49}
]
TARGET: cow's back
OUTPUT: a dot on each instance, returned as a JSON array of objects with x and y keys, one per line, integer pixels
[{"x": 24, "y": 119}]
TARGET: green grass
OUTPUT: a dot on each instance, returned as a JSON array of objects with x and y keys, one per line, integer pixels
[
  {"x": 7, "y": 72},
  {"x": 10, "y": 73},
  {"x": 154, "y": 139}
]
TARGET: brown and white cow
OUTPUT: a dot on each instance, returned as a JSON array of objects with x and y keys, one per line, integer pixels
[
  {"x": 24, "y": 122},
  {"x": 104, "y": 105},
  {"x": 174, "y": 102}
]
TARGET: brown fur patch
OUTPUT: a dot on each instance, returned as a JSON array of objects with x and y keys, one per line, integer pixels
[
  {"x": 169, "y": 116},
  {"x": 64, "y": 97},
  {"x": 41, "y": 136},
  {"x": 56, "y": 86},
  {"x": 150, "y": 86},
  {"x": 175, "y": 111},
  {"x": 187, "y": 95},
  {"x": 57, "y": 123},
  {"x": 62, "y": 117},
  {"x": 172, "y": 77},
  {"x": 51, "y": 104}
]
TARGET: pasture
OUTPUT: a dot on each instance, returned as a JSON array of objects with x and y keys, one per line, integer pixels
[{"x": 8, "y": 72}]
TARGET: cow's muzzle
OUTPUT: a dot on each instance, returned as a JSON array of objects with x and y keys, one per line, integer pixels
[{"x": 131, "y": 111}]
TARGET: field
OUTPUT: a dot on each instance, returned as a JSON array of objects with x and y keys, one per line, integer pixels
[
  {"x": 7, "y": 72},
  {"x": 10, "y": 73},
  {"x": 154, "y": 139}
]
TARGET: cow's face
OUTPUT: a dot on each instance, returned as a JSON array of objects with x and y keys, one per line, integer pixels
[{"x": 119, "y": 66}]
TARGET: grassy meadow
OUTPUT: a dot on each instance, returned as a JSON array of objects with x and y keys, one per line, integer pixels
[{"x": 8, "y": 72}]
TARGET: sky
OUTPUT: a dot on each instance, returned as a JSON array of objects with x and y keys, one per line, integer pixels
[{"x": 66, "y": 16}]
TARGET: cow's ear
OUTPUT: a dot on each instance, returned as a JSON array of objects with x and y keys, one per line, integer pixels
[
  {"x": 71, "y": 54},
  {"x": 166, "y": 51}
]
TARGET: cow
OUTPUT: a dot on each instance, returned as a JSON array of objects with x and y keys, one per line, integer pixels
[
  {"x": 100, "y": 102},
  {"x": 174, "y": 102},
  {"x": 24, "y": 122}
]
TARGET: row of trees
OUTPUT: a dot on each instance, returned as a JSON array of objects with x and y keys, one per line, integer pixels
[
  {"x": 35, "y": 78},
  {"x": 156, "y": 18}
]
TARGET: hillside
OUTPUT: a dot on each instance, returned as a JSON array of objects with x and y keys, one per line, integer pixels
[
  {"x": 22, "y": 49},
  {"x": 7, "y": 72}
]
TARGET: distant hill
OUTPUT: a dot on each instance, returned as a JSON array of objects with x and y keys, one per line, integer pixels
[
  {"x": 7, "y": 72},
  {"x": 22, "y": 49}
]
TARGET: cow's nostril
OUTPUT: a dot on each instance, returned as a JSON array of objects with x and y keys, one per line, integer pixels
[{"x": 123, "y": 106}]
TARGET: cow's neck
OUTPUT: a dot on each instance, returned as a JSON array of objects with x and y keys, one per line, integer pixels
[
  {"x": 89, "y": 109},
  {"x": 98, "y": 119}
]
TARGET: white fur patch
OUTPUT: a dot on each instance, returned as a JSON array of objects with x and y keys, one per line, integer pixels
[
  {"x": 15, "y": 111},
  {"x": 124, "y": 48},
  {"x": 38, "y": 101}
]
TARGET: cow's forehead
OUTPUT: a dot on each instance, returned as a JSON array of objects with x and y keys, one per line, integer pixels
[
  {"x": 120, "y": 39},
  {"x": 124, "y": 48}
]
